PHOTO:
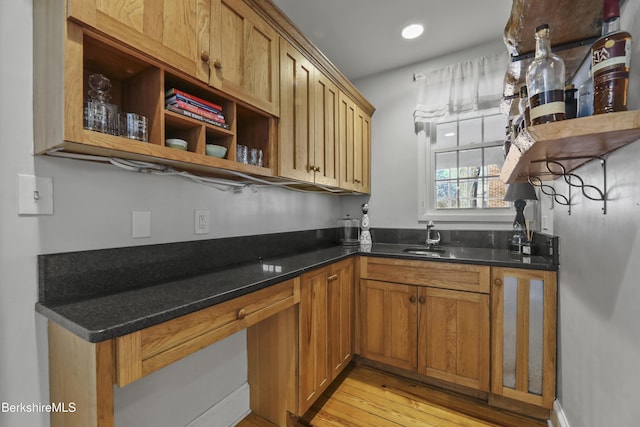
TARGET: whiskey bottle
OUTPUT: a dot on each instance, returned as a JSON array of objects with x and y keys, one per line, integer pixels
[
  {"x": 610, "y": 59},
  {"x": 545, "y": 81}
]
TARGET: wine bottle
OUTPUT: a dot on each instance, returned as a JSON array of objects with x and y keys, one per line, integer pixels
[
  {"x": 545, "y": 81},
  {"x": 610, "y": 60}
]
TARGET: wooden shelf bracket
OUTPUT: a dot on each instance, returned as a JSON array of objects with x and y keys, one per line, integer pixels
[{"x": 591, "y": 192}]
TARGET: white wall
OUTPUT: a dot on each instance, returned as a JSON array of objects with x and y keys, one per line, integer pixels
[
  {"x": 599, "y": 337},
  {"x": 394, "y": 152},
  {"x": 92, "y": 210}
]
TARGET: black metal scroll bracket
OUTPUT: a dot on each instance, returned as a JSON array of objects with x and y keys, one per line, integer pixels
[{"x": 591, "y": 192}]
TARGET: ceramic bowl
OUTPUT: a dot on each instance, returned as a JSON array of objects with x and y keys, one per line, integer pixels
[
  {"x": 177, "y": 143},
  {"x": 216, "y": 150}
]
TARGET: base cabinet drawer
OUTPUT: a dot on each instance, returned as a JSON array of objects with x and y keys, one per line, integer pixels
[
  {"x": 446, "y": 275},
  {"x": 145, "y": 351}
]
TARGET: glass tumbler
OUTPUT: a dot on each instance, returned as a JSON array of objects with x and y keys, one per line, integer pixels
[
  {"x": 134, "y": 126},
  {"x": 242, "y": 154}
]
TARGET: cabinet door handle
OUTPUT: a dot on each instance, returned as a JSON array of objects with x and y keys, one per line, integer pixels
[
  {"x": 241, "y": 314},
  {"x": 422, "y": 299},
  {"x": 317, "y": 169},
  {"x": 204, "y": 55},
  {"x": 332, "y": 277},
  {"x": 412, "y": 299},
  {"x": 217, "y": 64},
  {"x": 498, "y": 282}
]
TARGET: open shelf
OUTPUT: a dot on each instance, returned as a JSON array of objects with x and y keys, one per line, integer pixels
[{"x": 572, "y": 143}]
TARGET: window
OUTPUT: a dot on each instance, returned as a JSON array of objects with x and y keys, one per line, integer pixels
[{"x": 461, "y": 157}]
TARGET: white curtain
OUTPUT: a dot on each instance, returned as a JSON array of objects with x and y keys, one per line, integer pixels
[{"x": 471, "y": 85}]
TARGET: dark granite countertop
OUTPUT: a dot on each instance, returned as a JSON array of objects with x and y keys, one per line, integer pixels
[
  {"x": 483, "y": 256},
  {"x": 104, "y": 317},
  {"x": 120, "y": 311}
]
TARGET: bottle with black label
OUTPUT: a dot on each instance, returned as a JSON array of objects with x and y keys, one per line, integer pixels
[
  {"x": 610, "y": 60},
  {"x": 545, "y": 81}
]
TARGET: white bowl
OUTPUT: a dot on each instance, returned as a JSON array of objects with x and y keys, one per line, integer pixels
[
  {"x": 177, "y": 143},
  {"x": 216, "y": 150}
]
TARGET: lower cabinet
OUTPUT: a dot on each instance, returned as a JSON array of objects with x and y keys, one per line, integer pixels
[
  {"x": 453, "y": 337},
  {"x": 523, "y": 364},
  {"x": 389, "y": 323},
  {"x": 325, "y": 328},
  {"x": 439, "y": 333}
]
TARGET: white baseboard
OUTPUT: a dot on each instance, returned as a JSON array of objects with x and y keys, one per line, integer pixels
[
  {"x": 558, "y": 417},
  {"x": 228, "y": 412}
]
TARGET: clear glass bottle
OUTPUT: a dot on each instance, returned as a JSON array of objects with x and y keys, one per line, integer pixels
[
  {"x": 610, "y": 61},
  {"x": 545, "y": 81},
  {"x": 585, "y": 98},
  {"x": 523, "y": 107}
]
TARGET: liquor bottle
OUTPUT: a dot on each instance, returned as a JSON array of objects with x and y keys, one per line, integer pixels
[
  {"x": 570, "y": 102},
  {"x": 545, "y": 81},
  {"x": 523, "y": 107},
  {"x": 610, "y": 60}
]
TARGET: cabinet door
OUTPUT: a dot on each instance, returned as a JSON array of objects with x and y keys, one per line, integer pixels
[
  {"x": 244, "y": 55},
  {"x": 361, "y": 156},
  {"x": 174, "y": 32},
  {"x": 523, "y": 335},
  {"x": 314, "y": 364},
  {"x": 326, "y": 140},
  {"x": 296, "y": 128},
  {"x": 341, "y": 304},
  {"x": 453, "y": 337},
  {"x": 347, "y": 113},
  {"x": 388, "y": 323}
]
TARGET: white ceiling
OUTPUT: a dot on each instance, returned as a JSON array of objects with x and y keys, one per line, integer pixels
[{"x": 362, "y": 37}]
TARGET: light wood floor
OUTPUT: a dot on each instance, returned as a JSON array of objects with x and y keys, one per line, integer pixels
[{"x": 365, "y": 397}]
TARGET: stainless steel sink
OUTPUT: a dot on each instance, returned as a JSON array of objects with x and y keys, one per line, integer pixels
[{"x": 434, "y": 251}]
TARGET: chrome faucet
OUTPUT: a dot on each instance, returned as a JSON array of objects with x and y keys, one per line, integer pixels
[{"x": 433, "y": 237}]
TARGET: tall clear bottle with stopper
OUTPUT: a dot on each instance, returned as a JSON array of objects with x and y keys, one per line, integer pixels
[
  {"x": 365, "y": 233},
  {"x": 545, "y": 81}
]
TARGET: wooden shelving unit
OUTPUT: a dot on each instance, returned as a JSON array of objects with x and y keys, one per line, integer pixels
[{"x": 571, "y": 143}]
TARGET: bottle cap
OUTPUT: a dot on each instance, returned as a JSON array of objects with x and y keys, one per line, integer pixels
[
  {"x": 611, "y": 9},
  {"x": 542, "y": 27}
]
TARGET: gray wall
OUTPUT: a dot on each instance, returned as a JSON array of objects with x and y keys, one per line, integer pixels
[
  {"x": 599, "y": 337},
  {"x": 92, "y": 209},
  {"x": 394, "y": 153}
]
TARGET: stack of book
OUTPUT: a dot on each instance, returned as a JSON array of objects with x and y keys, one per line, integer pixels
[{"x": 197, "y": 108}]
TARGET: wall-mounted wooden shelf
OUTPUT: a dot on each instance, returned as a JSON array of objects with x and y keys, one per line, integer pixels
[{"x": 570, "y": 142}]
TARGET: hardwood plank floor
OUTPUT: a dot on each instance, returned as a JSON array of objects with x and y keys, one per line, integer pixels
[{"x": 366, "y": 397}]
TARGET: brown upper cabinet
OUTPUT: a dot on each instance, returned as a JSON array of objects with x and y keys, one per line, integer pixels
[
  {"x": 244, "y": 56},
  {"x": 309, "y": 143},
  {"x": 174, "y": 32},
  {"x": 355, "y": 142},
  {"x": 277, "y": 92},
  {"x": 221, "y": 42}
]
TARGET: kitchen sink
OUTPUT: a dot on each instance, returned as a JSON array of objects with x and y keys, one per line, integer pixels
[{"x": 424, "y": 250}]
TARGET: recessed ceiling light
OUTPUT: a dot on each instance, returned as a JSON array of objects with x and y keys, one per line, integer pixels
[{"x": 412, "y": 31}]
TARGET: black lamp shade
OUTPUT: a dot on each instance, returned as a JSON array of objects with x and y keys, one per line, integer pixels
[{"x": 520, "y": 191}]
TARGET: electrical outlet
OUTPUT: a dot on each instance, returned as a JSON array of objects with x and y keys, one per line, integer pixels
[
  {"x": 201, "y": 222},
  {"x": 140, "y": 224},
  {"x": 545, "y": 223}
]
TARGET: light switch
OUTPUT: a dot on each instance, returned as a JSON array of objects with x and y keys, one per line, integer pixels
[
  {"x": 140, "y": 224},
  {"x": 35, "y": 195}
]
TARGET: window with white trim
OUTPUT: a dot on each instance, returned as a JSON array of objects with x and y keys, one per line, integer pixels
[{"x": 461, "y": 157}]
